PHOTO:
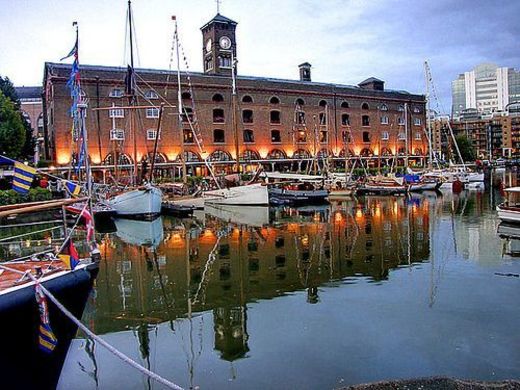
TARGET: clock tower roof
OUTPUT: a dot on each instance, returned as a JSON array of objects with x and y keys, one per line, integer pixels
[{"x": 219, "y": 19}]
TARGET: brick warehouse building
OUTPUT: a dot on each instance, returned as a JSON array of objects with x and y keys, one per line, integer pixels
[{"x": 281, "y": 123}]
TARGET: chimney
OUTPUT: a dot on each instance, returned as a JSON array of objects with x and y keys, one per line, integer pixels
[{"x": 305, "y": 71}]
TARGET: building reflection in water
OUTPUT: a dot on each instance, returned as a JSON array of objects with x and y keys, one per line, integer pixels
[{"x": 213, "y": 265}]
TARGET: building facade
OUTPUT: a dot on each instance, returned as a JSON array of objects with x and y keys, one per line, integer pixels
[
  {"x": 32, "y": 110},
  {"x": 280, "y": 123},
  {"x": 487, "y": 88}
]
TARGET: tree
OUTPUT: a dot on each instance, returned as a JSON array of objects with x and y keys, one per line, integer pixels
[
  {"x": 9, "y": 91},
  {"x": 466, "y": 148},
  {"x": 12, "y": 129}
]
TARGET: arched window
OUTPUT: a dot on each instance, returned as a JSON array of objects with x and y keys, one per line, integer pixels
[
  {"x": 384, "y": 119},
  {"x": 247, "y": 116},
  {"x": 324, "y": 153},
  {"x": 385, "y": 152},
  {"x": 274, "y": 117},
  {"x": 217, "y": 98},
  {"x": 345, "y": 119},
  {"x": 418, "y": 152},
  {"x": 186, "y": 96},
  {"x": 400, "y": 108},
  {"x": 300, "y": 102},
  {"x": 218, "y": 115},
  {"x": 301, "y": 154},
  {"x": 247, "y": 99},
  {"x": 323, "y": 103},
  {"x": 249, "y": 137},
  {"x": 274, "y": 100},
  {"x": 219, "y": 155},
  {"x": 249, "y": 154},
  {"x": 277, "y": 154},
  {"x": 401, "y": 151},
  {"x": 344, "y": 105},
  {"x": 416, "y": 110},
  {"x": 159, "y": 158},
  {"x": 218, "y": 136},
  {"x": 365, "y": 120},
  {"x": 123, "y": 159},
  {"x": 349, "y": 153},
  {"x": 189, "y": 156},
  {"x": 366, "y": 152},
  {"x": 275, "y": 136},
  {"x": 365, "y": 106},
  {"x": 383, "y": 107}
]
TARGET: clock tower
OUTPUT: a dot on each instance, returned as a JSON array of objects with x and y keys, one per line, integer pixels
[{"x": 218, "y": 45}]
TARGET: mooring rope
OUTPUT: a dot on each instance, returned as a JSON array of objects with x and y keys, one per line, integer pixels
[{"x": 30, "y": 233}]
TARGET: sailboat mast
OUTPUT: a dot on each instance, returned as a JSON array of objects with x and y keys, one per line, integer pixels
[
  {"x": 428, "y": 119},
  {"x": 131, "y": 90},
  {"x": 179, "y": 103},
  {"x": 234, "y": 113},
  {"x": 406, "y": 134}
]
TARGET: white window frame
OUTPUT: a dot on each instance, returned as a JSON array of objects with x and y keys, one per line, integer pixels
[
  {"x": 383, "y": 107},
  {"x": 400, "y": 121},
  {"x": 400, "y": 108},
  {"x": 417, "y": 121},
  {"x": 418, "y": 136},
  {"x": 117, "y": 135},
  {"x": 401, "y": 136},
  {"x": 151, "y": 94},
  {"x": 385, "y": 136},
  {"x": 152, "y": 112},
  {"x": 116, "y": 113},
  {"x": 115, "y": 94},
  {"x": 384, "y": 120},
  {"x": 151, "y": 134}
]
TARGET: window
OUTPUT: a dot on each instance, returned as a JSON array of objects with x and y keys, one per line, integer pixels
[
  {"x": 416, "y": 110},
  {"x": 187, "y": 136},
  {"x": 401, "y": 136},
  {"x": 209, "y": 63},
  {"x": 384, "y": 136},
  {"x": 301, "y": 136},
  {"x": 345, "y": 119},
  {"x": 187, "y": 115},
  {"x": 116, "y": 113},
  {"x": 247, "y": 116},
  {"x": 218, "y": 136},
  {"x": 383, "y": 107},
  {"x": 151, "y": 94},
  {"x": 365, "y": 120},
  {"x": 247, "y": 99},
  {"x": 218, "y": 115},
  {"x": 323, "y": 103},
  {"x": 323, "y": 118},
  {"x": 186, "y": 96},
  {"x": 300, "y": 118},
  {"x": 249, "y": 136},
  {"x": 418, "y": 136},
  {"x": 224, "y": 62},
  {"x": 117, "y": 135},
  {"x": 400, "y": 121},
  {"x": 275, "y": 136},
  {"x": 152, "y": 112},
  {"x": 274, "y": 117},
  {"x": 344, "y": 105},
  {"x": 300, "y": 102},
  {"x": 151, "y": 134},
  {"x": 417, "y": 121},
  {"x": 346, "y": 136},
  {"x": 274, "y": 100},
  {"x": 384, "y": 120},
  {"x": 365, "y": 106},
  {"x": 217, "y": 98},
  {"x": 366, "y": 136},
  {"x": 400, "y": 108},
  {"x": 116, "y": 92},
  {"x": 323, "y": 136}
]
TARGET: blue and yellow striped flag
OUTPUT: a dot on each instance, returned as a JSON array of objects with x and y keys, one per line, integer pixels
[
  {"x": 73, "y": 188},
  {"x": 46, "y": 338},
  {"x": 23, "y": 177}
]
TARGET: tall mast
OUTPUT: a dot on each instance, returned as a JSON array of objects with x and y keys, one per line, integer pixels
[
  {"x": 131, "y": 89},
  {"x": 428, "y": 119},
  {"x": 179, "y": 103},
  {"x": 406, "y": 134},
  {"x": 234, "y": 113}
]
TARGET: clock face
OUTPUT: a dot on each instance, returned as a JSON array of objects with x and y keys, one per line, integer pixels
[
  {"x": 208, "y": 45},
  {"x": 225, "y": 42}
]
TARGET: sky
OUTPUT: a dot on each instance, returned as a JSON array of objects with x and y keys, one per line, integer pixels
[{"x": 346, "y": 41}]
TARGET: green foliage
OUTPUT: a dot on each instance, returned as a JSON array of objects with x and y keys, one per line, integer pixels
[
  {"x": 12, "y": 130},
  {"x": 35, "y": 195},
  {"x": 7, "y": 88},
  {"x": 466, "y": 148}
]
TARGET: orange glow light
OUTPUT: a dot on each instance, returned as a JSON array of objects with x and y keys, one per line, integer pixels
[{"x": 63, "y": 158}]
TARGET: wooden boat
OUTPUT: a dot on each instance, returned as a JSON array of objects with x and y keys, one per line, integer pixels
[
  {"x": 176, "y": 210},
  {"x": 380, "y": 185},
  {"x": 255, "y": 194},
  {"x": 100, "y": 210},
  {"x": 140, "y": 203},
  {"x": 509, "y": 210},
  {"x": 425, "y": 185},
  {"x": 297, "y": 194}
]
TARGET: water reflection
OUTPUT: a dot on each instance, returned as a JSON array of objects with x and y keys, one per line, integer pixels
[{"x": 190, "y": 284}]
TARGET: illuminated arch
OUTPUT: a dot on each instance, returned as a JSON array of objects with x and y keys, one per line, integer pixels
[
  {"x": 249, "y": 154},
  {"x": 189, "y": 156},
  {"x": 219, "y": 155},
  {"x": 301, "y": 154},
  {"x": 277, "y": 154},
  {"x": 123, "y": 159},
  {"x": 385, "y": 152},
  {"x": 366, "y": 152},
  {"x": 350, "y": 153}
]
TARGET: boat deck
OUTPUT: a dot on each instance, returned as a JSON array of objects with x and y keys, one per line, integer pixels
[{"x": 10, "y": 278}]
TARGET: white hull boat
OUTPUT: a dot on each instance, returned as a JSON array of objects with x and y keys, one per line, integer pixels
[
  {"x": 140, "y": 203},
  {"x": 141, "y": 233},
  {"x": 509, "y": 210},
  {"x": 256, "y": 216},
  {"x": 248, "y": 195}
]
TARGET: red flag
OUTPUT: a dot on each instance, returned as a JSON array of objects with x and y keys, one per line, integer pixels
[{"x": 89, "y": 221}]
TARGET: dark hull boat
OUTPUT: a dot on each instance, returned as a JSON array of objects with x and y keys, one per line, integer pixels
[
  {"x": 27, "y": 365},
  {"x": 176, "y": 210},
  {"x": 297, "y": 195}
]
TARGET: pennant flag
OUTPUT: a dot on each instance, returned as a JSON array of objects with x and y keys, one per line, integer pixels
[
  {"x": 89, "y": 221},
  {"x": 73, "y": 188},
  {"x": 46, "y": 338},
  {"x": 70, "y": 255},
  {"x": 23, "y": 177}
]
